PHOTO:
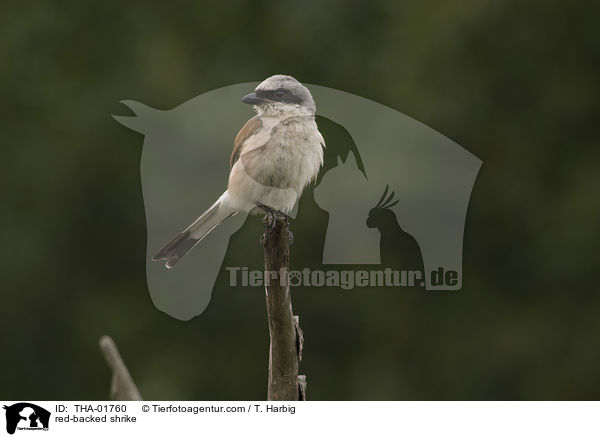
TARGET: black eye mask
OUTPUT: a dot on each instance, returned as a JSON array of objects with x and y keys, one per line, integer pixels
[{"x": 275, "y": 96}]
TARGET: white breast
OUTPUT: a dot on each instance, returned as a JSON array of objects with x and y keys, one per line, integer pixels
[{"x": 291, "y": 153}]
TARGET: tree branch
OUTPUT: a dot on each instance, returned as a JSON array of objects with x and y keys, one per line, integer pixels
[
  {"x": 284, "y": 331},
  {"x": 122, "y": 387}
]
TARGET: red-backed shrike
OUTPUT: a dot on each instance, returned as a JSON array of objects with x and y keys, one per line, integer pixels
[{"x": 275, "y": 155}]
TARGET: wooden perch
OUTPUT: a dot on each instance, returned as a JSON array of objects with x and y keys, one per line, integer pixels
[
  {"x": 286, "y": 338},
  {"x": 122, "y": 387}
]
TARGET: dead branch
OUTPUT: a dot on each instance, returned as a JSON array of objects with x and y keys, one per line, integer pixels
[
  {"x": 122, "y": 387},
  {"x": 284, "y": 331}
]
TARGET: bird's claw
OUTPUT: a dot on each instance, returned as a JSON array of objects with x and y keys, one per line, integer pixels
[
  {"x": 272, "y": 215},
  {"x": 269, "y": 219}
]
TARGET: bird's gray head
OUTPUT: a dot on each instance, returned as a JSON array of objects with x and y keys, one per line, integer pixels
[{"x": 281, "y": 94}]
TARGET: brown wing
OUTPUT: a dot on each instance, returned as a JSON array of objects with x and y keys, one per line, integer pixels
[{"x": 249, "y": 129}]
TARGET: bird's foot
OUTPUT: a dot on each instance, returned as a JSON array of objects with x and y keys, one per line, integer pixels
[
  {"x": 270, "y": 220},
  {"x": 272, "y": 215}
]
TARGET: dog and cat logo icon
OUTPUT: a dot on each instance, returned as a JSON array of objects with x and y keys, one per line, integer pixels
[{"x": 26, "y": 416}]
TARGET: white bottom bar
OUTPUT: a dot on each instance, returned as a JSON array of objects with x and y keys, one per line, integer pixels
[{"x": 256, "y": 418}]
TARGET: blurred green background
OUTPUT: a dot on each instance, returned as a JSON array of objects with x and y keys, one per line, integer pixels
[{"x": 514, "y": 82}]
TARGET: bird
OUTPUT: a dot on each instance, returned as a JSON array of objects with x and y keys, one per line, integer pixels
[
  {"x": 396, "y": 246},
  {"x": 276, "y": 154}
]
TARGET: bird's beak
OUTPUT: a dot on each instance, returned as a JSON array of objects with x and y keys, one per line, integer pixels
[{"x": 253, "y": 99}]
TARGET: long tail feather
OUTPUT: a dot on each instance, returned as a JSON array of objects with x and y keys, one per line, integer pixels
[{"x": 185, "y": 241}]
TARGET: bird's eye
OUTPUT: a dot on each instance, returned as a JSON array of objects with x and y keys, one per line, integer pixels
[{"x": 279, "y": 93}]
